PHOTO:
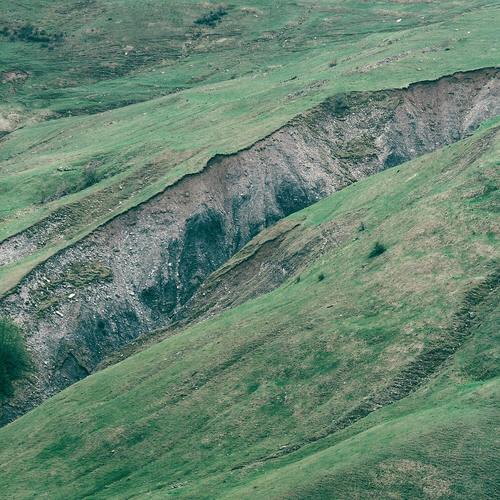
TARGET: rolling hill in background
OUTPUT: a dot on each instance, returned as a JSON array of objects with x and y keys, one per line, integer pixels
[{"x": 251, "y": 248}]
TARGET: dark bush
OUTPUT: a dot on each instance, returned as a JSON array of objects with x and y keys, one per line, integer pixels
[
  {"x": 377, "y": 249},
  {"x": 14, "y": 359},
  {"x": 321, "y": 276},
  {"x": 28, "y": 33},
  {"x": 212, "y": 18},
  {"x": 90, "y": 176},
  {"x": 341, "y": 104}
]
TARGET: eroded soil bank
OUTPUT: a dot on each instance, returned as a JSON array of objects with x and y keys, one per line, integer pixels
[{"x": 137, "y": 272}]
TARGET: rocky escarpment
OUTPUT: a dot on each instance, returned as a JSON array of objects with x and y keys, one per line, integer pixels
[
  {"x": 138, "y": 271},
  {"x": 279, "y": 253}
]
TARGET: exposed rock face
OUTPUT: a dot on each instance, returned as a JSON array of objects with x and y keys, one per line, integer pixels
[{"x": 136, "y": 273}]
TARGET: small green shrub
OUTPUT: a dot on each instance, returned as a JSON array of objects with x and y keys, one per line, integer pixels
[
  {"x": 90, "y": 176},
  {"x": 29, "y": 33},
  {"x": 341, "y": 104},
  {"x": 378, "y": 249},
  {"x": 321, "y": 276},
  {"x": 212, "y": 18},
  {"x": 14, "y": 359}
]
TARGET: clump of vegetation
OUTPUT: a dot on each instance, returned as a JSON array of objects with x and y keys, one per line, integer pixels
[
  {"x": 28, "y": 33},
  {"x": 14, "y": 359},
  {"x": 341, "y": 104},
  {"x": 212, "y": 18},
  {"x": 378, "y": 249},
  {"x": 360, "y": 147},
  {"x": 90, "y": 176},
  {"x": 83, "y": 273},
  {"x": 321, "y": 276},
  {"x": 77, "y": 275}
]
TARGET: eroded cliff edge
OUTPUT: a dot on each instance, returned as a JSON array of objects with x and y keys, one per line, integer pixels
[{"x": 138, "y": 271}]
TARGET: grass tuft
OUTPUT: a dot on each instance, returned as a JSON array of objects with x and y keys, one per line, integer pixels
[
  {"x": 378, "y": 249},
  {"x": 212, "y": 18}
]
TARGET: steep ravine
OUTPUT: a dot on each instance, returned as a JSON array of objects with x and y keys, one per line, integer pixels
[{"x": 136, "y": 272}]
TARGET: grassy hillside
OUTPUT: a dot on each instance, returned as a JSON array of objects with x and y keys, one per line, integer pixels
[
  {"x": 199, "y": 89},
  {"x": 367, "y": 373}
]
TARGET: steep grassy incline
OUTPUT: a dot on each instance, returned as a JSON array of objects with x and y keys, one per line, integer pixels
[
  {"x": 203, "y": 89},
  {"x": 136, "y": 273},
  {"x": 356, "y": 373}
]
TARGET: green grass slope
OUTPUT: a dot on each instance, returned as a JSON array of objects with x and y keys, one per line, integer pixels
[
  {"x": 368, "y": 377},
  {"x": 199, "y": 90}
]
